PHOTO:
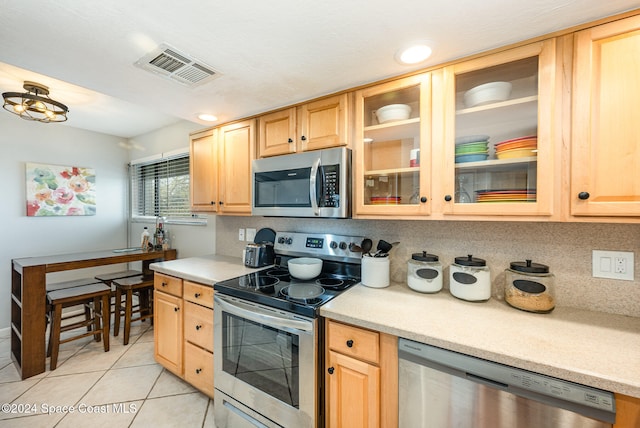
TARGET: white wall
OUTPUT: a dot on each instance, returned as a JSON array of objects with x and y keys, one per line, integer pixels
[{"x": 22, "y": 141}]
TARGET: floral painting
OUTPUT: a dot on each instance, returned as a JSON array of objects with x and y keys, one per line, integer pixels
[{"x": 60, "y": 190}]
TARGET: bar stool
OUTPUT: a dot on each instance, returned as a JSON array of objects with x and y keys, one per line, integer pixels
[
  {"x": 108, "y": 278},
  {"x": 143, "y": 285},
  {"x": 93, "y": 296},
  {"x": 70, "y": 284}
]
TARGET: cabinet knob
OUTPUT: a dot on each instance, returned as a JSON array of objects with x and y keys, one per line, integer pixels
[
  {"x": 220, "y": 202},
  {"x": 290, "y": 140},
  {"x": 350, "y": 343},
  {"x": 196, "y": 295},
  {"x": 330, "y": 370},
  {"x": 583, "y": 195},
  {"x": 213, "y": 202},
  {"x": 198, "y": 371},
  {"x": 198, "y": 327},
  {"x": 423, "y": 199},
  {"x": 164, "y": 284},
  {"x": 176, "y": 309},
  {"x": 303, "y": 138},
  {"x": 447, "y": 198}
]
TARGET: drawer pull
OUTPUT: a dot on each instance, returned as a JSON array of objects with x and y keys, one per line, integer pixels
[
  {"x": 198, "y": 371},
  {"x": 164, "y": 284},
  {"x": 350, "y": 343},
  {"x": 330, "y": 370},
  {"x": 197, "y": 295},
  {"x": 176, "y": 309},
  {"x": 198, "y": 327}
]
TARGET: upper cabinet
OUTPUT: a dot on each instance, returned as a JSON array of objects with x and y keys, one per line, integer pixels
[
  {"x": 392, "y": 148},
  {"x": 221, "y": 168},
  {"x": 316, "y": 125},
  {"x": 605, "y": 139},
  {"x": 237, "y": 143},
  {"x": 204, "y": 170},
  {"x": 494, "y": 130}
]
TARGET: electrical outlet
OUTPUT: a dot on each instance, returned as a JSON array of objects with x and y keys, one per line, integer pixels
[
  {"x": 251, "y": 234},
  {"x": 240, "y": 234},
  {"x": 612, "y": 264}
]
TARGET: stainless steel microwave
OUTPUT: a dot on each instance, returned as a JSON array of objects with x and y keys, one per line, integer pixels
[{"x": 309, "y": 184}]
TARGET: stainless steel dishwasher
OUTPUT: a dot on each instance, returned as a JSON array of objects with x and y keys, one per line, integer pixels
[{"x": 441, "y": 388}]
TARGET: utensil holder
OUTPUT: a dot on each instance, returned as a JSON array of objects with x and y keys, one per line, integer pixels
[{"x": 375, "y": 271}]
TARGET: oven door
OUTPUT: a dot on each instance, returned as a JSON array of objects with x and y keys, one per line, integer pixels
[{"x": 266, "y": 364}]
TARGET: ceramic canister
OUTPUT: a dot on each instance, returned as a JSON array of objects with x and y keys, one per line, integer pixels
[
  {"x": 469, "y": 279},
  {"x": 375, "y": 271}
]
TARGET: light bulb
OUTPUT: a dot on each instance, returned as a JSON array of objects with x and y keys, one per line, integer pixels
[{"x": 19, "y": 108}]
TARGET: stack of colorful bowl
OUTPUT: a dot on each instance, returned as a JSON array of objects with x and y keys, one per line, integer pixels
[
  {"x": 521, "y": 147},
  {"x": 472, "y": 148}
]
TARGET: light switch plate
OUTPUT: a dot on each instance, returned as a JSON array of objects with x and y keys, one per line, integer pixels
[{"x": 612, "y": 264}]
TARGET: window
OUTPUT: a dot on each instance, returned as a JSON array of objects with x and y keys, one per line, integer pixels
[{"x": 160, "y": 187}]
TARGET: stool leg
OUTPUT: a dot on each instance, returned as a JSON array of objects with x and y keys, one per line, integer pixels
[
  {"x": 87, "y": 315},
  {"x": 143, "y": 300},
  {"x": 116, "y": 312},
  {"x": 55, "y": 336},
  {"x": 105, "y": 311},
  {"x": 96, "y": 319},
  {"x": 127, "y": 315}
]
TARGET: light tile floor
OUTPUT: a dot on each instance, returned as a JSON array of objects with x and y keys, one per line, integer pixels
[{"x": 124, "y": 387}]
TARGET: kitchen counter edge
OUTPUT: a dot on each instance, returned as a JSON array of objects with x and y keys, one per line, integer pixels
[
  {"x": 591, "y": 348},
  {"x": 207, "y": 269}
]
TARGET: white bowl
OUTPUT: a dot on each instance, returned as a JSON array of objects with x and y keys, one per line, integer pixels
[
  {"x": 305, "y": 267},
  {"x": 393, "y": 112},
  {"x": 487, "y": 93}
]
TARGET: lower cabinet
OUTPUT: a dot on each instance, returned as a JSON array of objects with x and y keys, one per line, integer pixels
[
  {"x": 627, "y": 412},
  {"x": 183, "y": 330},
  {"x": 361, "y": 373}
]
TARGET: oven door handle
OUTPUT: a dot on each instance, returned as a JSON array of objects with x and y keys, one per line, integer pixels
[
  {"x": 256, "y": 314},
  {"x": 313, "y": 179}
]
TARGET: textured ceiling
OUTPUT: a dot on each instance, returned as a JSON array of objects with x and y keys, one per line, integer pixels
[{"x": 269, "y": 54}]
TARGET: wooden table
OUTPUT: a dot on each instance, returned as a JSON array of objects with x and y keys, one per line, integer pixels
[{"x": 28, "y": 297}]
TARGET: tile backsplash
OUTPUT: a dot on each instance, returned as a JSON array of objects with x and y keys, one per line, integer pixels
[{"x": 565, "y": 247}]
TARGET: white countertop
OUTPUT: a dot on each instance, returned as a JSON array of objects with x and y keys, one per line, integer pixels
[
  {"x": 206, "y": 270},
  {"x": 591, "y": 348}
]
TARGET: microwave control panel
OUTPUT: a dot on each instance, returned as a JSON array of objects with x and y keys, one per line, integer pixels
[{"x": 331, "y": 195}]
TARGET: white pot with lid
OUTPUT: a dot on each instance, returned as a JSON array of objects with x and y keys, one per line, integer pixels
[
  {"x": 469, "y": 279},
  {"x": 424, "y": 273}
]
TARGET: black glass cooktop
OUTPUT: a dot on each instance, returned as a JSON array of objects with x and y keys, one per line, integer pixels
[{"x": 276, "y": 288}]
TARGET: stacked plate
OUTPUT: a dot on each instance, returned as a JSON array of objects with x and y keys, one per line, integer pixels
[
  {"x": 506, "y": 195},
  {"x": 521, "y": 147},
  {"x": 385, "y": 200},
  {"x": 472, "y": 148}
]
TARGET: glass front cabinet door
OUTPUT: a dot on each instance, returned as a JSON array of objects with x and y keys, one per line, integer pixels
[
  {"x": 498, "y": 115},
  {"x": 392, "y": 148}
]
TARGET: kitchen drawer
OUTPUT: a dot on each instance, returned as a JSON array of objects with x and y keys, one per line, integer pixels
[
  {"x": 198, "y": 325},
  {"x": 198, "y": 293},
  {"x": 353, "y": 341},
  {"x": 168, "y": 284},
  {"x": 198, "y": 368}
]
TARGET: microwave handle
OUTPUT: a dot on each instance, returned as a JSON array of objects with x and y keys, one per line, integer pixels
[{"x": 312, "y": 186}]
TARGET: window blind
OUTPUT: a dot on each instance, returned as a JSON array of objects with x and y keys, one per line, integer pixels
[{"x": 161, "y": 187}]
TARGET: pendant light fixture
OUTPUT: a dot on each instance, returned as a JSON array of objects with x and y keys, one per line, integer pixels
[{"x": 35, "y": 104}]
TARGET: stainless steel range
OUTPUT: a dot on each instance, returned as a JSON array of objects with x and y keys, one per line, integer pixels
[{"x": 268, "y": 338}]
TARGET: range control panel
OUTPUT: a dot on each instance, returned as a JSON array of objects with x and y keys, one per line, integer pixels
[{"x": 323, "y": 245}]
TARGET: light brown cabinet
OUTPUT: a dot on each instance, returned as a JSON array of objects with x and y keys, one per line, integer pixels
[
  {"x": 204, "y": 171},
  {"x": 220, "y": 167},
  {"x": 515, "y": 178},
  {"x": 315, "y": 125},
  {"x": 361, "y": 374},
  {"x": 386, "y": 181},
  {"x": 183, "y": 329},
  {"x": 167, "y": 318},
  {"x": 605, "y": 138},
  {"x": 627, "y": 411}
]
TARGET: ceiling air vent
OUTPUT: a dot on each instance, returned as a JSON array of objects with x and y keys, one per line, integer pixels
[{"x": 168, "y": 62}]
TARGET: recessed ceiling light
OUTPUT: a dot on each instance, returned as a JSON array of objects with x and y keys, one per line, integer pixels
[
  {"x": 207, "y": 117},
  {"x": 414, "y": 54}
]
